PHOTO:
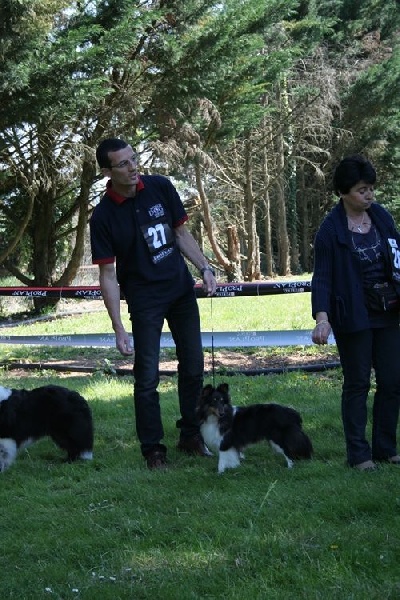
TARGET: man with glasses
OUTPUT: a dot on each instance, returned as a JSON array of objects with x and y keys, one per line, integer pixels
[{"x": 139, "y": 238}]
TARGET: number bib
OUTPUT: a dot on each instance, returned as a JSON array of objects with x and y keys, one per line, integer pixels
[
  {"x": 394, "y": 253},
  {"x": 159, "y": 238}
]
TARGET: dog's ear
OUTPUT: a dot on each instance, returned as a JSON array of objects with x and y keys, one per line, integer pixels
[
  {"x": 207, "y": 391},
  {"x": 223, "y": 388}
]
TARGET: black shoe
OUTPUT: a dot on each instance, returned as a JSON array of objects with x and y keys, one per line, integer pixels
[
  {"x": 156, "y": 459},
  {"x": 392, "y": 460},
  {"x": 367, "y": 465},
  {"x": 193, "y": 445}
]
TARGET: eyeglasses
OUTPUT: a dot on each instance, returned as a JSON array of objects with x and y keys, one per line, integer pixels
[{"x": 125, "y": 163}]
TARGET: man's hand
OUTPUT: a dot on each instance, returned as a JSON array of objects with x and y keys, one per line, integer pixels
[
  {"x": 209, "y": 283},
  {"x": 123, "y": 343}
]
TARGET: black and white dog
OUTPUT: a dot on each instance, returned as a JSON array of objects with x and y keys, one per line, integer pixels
[
  {"x": 51, "y": 410},
  {"x": 230, "y": 429}
]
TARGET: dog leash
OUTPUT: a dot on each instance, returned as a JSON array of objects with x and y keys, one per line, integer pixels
[{"x": 212, "y": 344}]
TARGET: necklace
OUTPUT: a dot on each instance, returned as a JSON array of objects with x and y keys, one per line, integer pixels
[
  {"x": 358, "y": 226},
  {"x": 368, "y": 248}
]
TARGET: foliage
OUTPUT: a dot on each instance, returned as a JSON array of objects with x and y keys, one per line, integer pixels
[
  {"x": 377, "y": 107},
  {"x": 81, "y": 75},
  {"x": 249, "y": 103}
]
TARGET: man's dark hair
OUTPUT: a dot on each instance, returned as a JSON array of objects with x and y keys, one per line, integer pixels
[
  {"x": 350, "y": 171},
  {"x": 106, "y": 146}
]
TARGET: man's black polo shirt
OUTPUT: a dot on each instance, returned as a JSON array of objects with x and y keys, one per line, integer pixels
[{"x": 138, "y": 234}]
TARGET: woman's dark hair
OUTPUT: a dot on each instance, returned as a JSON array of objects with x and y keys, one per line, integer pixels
[
  {"x": 350, "y": 171},
  {"x": 106, "y": 146}
]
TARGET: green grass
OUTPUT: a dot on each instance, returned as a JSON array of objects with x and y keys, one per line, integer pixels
[
  {"x": 247, "y": 313},
  {"x": 111, "y": 529},
  {"x": 281, "y": 312}
]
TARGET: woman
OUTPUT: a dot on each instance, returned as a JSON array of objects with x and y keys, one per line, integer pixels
[{"x": 355, "y": 293}]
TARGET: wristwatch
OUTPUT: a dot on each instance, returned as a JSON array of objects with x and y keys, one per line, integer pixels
[{"x": 207, "y": 268}]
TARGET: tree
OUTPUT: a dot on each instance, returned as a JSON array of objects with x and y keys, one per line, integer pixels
[
  {"x": 250, "y": 102},
  {"x": 75, "y": 79},
  {"x": 208, "y": 129}
]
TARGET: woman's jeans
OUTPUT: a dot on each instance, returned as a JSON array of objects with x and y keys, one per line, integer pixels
[
  {"x": 182, "y": 316},
  {"x": 359, "y": 352}
]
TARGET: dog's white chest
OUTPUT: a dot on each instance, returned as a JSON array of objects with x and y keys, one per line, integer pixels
[{"x": 210, "y": 432}]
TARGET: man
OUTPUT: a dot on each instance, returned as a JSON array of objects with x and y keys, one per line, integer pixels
[{"x": 139, "y": 238}]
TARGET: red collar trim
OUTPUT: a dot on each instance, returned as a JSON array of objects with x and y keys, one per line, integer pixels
[{"x": 117, "y": 198}]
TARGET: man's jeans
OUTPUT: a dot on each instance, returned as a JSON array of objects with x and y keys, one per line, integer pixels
[{"x": 183, "y": 319}]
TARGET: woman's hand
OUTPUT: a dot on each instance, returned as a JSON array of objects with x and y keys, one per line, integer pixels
[{"x": 321, "y": 332}]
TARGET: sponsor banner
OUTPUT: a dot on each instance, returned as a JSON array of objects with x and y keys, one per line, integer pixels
[
  {"x": 225, "y": 339},
  {"x": 226, "y": 290},
  {"x": 90, "y": 292},
  {"x": 223, "y": 290}
]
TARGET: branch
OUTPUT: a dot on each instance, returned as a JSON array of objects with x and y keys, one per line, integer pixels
[
  {"x": 13, "y": 244},
  {"x": 17, "y": 273}
]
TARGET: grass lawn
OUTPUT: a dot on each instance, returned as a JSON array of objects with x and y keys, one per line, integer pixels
[
  {"x": 280, "y": 312},
  {"x": 111, "y": 529}
]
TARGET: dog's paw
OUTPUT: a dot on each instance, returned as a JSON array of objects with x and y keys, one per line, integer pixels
[
  {"x": 228, "y": 459},
  {"x": 87, "y": 455},
  {"x": 8, "y": 452}
]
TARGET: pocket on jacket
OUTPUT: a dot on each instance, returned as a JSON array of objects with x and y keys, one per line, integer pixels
[{"x": 340, "y": 312}]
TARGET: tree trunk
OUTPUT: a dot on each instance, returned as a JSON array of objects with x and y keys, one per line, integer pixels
[
  {"x": 234, "y": 253},
  {"x": 283, "y": 249},
  {"x": 253, "y": 252},
  {"x": 88, "y": 174},
  {"x": 304, "y": 220},
  {"x": 269, "y": 263},
  {"x": 219, "y": 254},
  {"x": 293, "y": 218},
  {"x": 44, "y": 254}
]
